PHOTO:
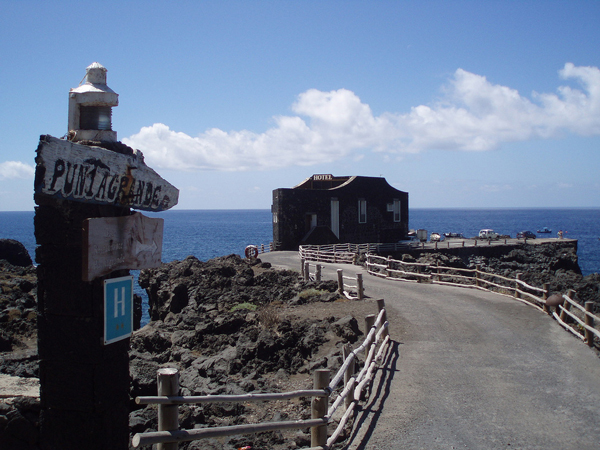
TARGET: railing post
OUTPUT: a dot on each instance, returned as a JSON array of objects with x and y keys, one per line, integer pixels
[
  {"x": 546, "y": 287},
  {"x": 262, "y": 248},
  {"x": 380, "y": 306},
  {"x": 318, "y": 272},
  {"x": 318, "y": 434},
  {"x": 359, "y": 286},
  {"x": 517, "y": 285},
  {"x": 566, "y": 305},
  {"x": 438, "y": 271},
  {"x": 348, "y": 374},
  {"x": 302, "y": 261},
  {"x": 388, "y": 270},
  {"x": 589, "y": 321},
  {"x": 477, "y": 269},
  {"x": 306, "y": 271},
  {"x": 369, "y": 321},
  {"x": 168, "y": 415},
  {"x": 340, "y": 275}
]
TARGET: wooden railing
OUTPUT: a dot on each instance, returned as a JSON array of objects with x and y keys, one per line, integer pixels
[
  {"x": 338, "y": 253},
  {"x": 348, "y": 289},
  {"x": 374, "y": 346},
  {"x": 343, "y": 287},
  {"x": 307, "y": 275},
  {"x": 582, "y": 323},
  {"x": 582, "y": 320}
]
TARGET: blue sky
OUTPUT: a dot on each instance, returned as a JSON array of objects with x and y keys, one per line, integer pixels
[{"x": 461, "y": 103}]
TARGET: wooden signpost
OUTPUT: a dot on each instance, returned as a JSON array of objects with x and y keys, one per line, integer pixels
[
  {"x": 84, "y": 287},
  {"x": 114, "y": 243},
  {"x": 89, "y": 174}
]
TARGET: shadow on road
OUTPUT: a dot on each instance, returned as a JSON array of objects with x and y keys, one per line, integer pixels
[{"x": 368, "y": 415}]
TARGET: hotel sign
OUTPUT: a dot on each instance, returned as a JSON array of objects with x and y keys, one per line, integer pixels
[
  {"x": 118, "y": 309},
  {"x": 89, "y": 174}
]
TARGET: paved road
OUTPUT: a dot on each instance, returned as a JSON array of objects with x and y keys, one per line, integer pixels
[{"x": 474, "y": 370}]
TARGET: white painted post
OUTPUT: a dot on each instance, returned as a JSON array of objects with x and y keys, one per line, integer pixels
[
  {"x": 348, "y": 374},
  {"x": 589, "y": 321},
  {"x": 380, "y": 306},
  {"x": 566, "y": 305},
  {"x": 318, "y": 434},
  {"x": 340, "y": 276},
  {"x": 168, "y": 415},
  {"x": 359, "y": 286},
  {"x": 546, "y": 287}
]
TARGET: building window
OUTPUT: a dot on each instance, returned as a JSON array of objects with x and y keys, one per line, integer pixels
[
  {"x": 362, "y": 211},
  {"x": 335, "y": 217},
  {"x": 396, "y": 210}
]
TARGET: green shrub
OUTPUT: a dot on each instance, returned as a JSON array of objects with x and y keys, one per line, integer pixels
[
  {"x": 247, "y": 306},
  {"x": 309, "y": 293}
]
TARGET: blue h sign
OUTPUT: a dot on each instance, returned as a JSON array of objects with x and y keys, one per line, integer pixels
[{"x": 118, "y": 309}]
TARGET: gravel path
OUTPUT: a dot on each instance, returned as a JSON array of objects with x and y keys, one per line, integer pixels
[{"x": 473, "y": 370}]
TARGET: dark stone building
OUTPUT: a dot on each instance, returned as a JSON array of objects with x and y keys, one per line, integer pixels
[{"x": 325, "y": 209}]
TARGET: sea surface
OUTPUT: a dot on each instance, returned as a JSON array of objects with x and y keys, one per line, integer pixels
[{"x": 207, "y": 234}]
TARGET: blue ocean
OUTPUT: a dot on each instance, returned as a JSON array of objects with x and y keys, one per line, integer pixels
[{"x": 207, "y": 234}]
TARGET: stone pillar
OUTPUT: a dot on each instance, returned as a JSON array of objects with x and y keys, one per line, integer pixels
[{"x": 84, "y": 384}]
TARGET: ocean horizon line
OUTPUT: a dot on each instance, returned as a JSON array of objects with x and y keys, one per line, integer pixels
[{"x": 454, "y": 208}]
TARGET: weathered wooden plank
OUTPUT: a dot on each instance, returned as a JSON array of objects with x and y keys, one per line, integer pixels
[
  {"x": 91, "y": 174},
  {"x": 114, "y": 243}
]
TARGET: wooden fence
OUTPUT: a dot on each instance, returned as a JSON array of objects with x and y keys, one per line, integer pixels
[
  {"x": 348, "y": 289},
  {"x": 307, "y": 275},
  {"x": 581, "y": 322},
  {"x": 338, "y": 253},
  {"x": 343, "y": 287},
  {"x": 323, "y": 406}
]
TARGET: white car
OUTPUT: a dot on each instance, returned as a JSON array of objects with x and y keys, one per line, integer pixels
[{"x": 488, "y": 233}]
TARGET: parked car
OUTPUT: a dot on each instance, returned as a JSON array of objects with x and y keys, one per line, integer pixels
[
  {"x": 525, "y": 235},
  {"x": 435, "y": 237},
  {"x": 488, "y": 234}
]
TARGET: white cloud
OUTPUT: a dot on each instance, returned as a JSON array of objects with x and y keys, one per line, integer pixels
[
  {"x": 10, "y": 170},
  {"x": 475, "y": 115}
]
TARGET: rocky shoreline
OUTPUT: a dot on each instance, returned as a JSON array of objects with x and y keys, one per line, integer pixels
[
  {"x": 229, "y": 325},
  {"x": 233, "y": 326}
]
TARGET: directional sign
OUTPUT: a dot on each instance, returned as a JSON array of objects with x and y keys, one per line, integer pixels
[
  {"x": 118, "y": 309},
  {"x": 91, "y": 174},
  {"x": 114, "y": 243}
]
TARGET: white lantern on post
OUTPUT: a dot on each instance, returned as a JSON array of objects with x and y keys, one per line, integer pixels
[{"x": 90, "y": 107}]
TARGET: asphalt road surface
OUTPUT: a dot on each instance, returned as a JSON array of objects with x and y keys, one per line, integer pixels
[{"x": 470, "y": 369}]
